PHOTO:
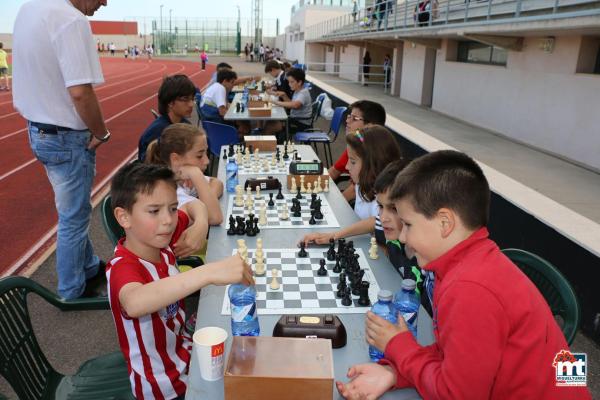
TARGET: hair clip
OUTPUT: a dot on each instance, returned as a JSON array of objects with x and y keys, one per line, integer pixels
[{"x": 359, "y": 136}]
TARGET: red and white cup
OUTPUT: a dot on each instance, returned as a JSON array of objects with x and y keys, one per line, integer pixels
[{"x": 209, "y": 344}]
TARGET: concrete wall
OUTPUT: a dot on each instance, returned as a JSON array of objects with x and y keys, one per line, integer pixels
[
  {"x": 315, "y": 53},
  {"x": 330, "y": 59},
  {"x": 411, "y": 85},
  {"x": 350, "y": 58},
  {"x": 537, "y": 99}
]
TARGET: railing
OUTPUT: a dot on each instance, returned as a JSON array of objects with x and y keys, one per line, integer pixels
[
  {"x": 427, "y": 13},
  {"x": 330, "y": 3},
  {"x": 343, "y": 73}
]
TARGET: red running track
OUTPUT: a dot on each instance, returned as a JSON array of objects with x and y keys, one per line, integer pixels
[{"x": 27, "y": 207}]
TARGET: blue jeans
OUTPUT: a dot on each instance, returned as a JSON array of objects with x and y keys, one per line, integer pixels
[{"x": 71, "y": 168}]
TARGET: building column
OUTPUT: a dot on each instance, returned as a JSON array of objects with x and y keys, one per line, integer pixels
[{"x": 397, "y": 69}]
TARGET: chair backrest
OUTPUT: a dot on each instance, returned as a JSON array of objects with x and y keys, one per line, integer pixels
[
  {"x": 554, "y": 287},
  {"x": 22, "y": 362},
  {"x": 316, "y": 108},
  {"x": 336, "y": 120},
  {"x": 113, "y": 230},
  {"x": 219, "y": 135},
  {"x": 198, "y": 101}
]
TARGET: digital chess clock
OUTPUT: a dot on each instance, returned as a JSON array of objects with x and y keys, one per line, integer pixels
[{"x": 314, "y": 167}]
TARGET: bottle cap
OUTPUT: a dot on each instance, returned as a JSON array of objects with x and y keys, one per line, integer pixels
[
  {"x": 385, "y": 295},
  {"x": 409, "y": 284}
]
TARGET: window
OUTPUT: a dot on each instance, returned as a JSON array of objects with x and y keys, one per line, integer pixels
[
  {"x": 479, "y": 53},
  {"x": 597, "y": 67}
]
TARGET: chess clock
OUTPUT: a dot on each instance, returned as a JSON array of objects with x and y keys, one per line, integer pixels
[
  {"x": 312, "y": 326},
  {"x": 314, "y": 167}
]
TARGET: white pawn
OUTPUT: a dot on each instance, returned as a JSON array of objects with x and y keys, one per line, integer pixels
[
  {"x": 326, "y": 188},
  {"x": 281, "y": 163},
  {"x": 373, "y": 249},
  {"x": 308, "y": 188},
  {"x": 259, "y": 244},
  {"x": 273, "y": 160},
  {"x": 265, "y": 165},
  {"x": 302, "y": 187},
  {"x": 258, "y": 195},
  {"x": 284, "y": 215},
  {"x": 274, "y": 282},
  {"x": 260, "y": 269},
  {"x": 239, "y": 200}
]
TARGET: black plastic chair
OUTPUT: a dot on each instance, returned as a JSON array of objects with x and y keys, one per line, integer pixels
[
  {"x": 26, "y": 368},
  {"x": 555, "y": 288}
]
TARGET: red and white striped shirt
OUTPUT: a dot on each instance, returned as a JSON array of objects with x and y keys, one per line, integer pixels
[{"x": 155, "y": 346}]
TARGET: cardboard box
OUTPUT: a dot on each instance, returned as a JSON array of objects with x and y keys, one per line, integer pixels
[
  {"x": 309, "y": 178},
  {"x": 259, "y": 108},
  {"x": 262, "y": 142},
  {"x": 275, "y": 368}
]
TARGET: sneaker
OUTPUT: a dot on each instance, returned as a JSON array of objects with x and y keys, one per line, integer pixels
[{"x": 96, "y": 285}]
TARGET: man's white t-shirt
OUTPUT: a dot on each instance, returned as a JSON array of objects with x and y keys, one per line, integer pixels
[
  {"x": 53, "y": 49},
  {"x": 215, "y": 95}
]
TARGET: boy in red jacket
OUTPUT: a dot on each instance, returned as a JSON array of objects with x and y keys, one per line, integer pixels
[{"x": 495, "y": 335}]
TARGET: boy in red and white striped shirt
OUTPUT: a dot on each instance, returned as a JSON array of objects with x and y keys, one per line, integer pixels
[{"x": 145, "y": 287}]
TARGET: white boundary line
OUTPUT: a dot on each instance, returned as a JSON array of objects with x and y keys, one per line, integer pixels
[
  {"x": 569, "y": 223},
  {"x": 98, "y": 188}
]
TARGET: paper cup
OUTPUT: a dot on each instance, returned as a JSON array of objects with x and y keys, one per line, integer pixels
[{"x": 210, "y": 352}]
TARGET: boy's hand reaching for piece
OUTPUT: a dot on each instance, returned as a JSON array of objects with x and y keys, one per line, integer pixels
[
  {"x": 367, "y": 382},
  {"x": 380, "y": 331},
  {"x": 231, "y": 270},
  {"x": 318, "y": 238}
]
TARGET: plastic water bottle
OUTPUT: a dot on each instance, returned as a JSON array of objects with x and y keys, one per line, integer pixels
[
  {"x": 232, "y": 175},
  {"x": 244, "y": 319},
  {"x": 385, "y": 309},
  {"x": 406, "y": 302}
]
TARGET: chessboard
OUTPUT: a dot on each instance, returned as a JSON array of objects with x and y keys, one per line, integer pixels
[
  {"x": 302, "y": 290},
  {"x": 273, "y": 213},
  {"x": 261, "y": 165}
]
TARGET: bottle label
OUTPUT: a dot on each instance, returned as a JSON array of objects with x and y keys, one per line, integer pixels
[
  {"x": 410, "y": 317},
  {"x": 245, "y": 313}
]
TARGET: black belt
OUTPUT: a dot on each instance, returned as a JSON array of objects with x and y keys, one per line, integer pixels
[{"x": 48, "y": 129}]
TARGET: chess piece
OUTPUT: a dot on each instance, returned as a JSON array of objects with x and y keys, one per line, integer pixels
[
  {"x": 231, "y": 230},
  {"x": 274, "y": 282},
  {"x": 250, "y": 226},
  {"x": 347, "y": 300},
  {"x": 302, "y": 187},
  {"x": 258, "y": 195},
  {"x": 241, "y": 244},
  {"x": 284, "y": 215},
  {"x": 259, "y": 269},
  {"x": 273, "y": 161},
  {"x": 322, "y": 270},
  {"x": 309, "y": 188},
  {"x": 373, "y": 249},
  {"x": 271, "y": 202},
  {"x": 279, "y": 194},
  {"x": 285, "y": 153},
  {"x": 337, "y": 268},
  {"x": 313, "y": 198},
  {"x": 231, "y": 152},
  {"x": 326, "y": 188},
  {"x": 299, "y": 194},
  {"x": 364, "y": 300},
  {"x": 265, "y": 165},
  {"x": 239, "y": 202},
  {"x": 317, "y": 210},
  {"x": 241, "y": 225},
  {"x": 297, "y": 210},
  {"x": 331, "y": 252},
  {"x": 318, "y": 188},
  {"x": 282, "y": 165},
  {"x": 224, "y": 154},
  {"x": 312, "y": 220},
  {"x": 294, "y": 187},
  {"x": 302, "y": 253},
  {"x": 262, "y": 220}
]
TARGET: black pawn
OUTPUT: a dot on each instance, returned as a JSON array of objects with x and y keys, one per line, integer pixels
[
  {"x": 302, "y": 253},
  {"x": 298, "y": 194},
  {"x": 231, "y": 152},
  {"x": 279, "y": 194},
  {"x": 337, "y": 268},
  {"x": 322, "y": 271},
  {"x": 256, "y": 229},
  {"x": 331, "y": 251},
  {"x": 297, "y": 211},
  {"x": 271, "y": 203},
  {"x": 231, "y": 230},
  {"x": 342, "y": 282},
  {"x": 312, "y": 220},
  {"x": 285, "y": 153},
  {"x": 250, "y": 226},
  {"x": 364, "y": 294},
  {"x": 347, "y": 300},
  {"x": 224, "y": 154},
  {"x": 313, "y": 199},
  {"x": 241, "y": 226},
  {"x": 296, "y": 156}
]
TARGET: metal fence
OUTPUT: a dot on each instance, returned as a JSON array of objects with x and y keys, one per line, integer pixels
[
  {"x": 432, "y": 13},
  {"x": 340, "y": 73}
]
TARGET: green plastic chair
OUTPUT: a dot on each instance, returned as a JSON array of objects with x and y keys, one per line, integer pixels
[
  {"x": 114, "y": 231},
  {"x": 26, "y": 368},
  {"x": 555, "y": 288}
]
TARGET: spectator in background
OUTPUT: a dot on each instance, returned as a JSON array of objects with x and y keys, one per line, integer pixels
[
  {"x": 354, "y": 10},
  {"x": 261, "y": 53},
  {"x": 387, "y": 70},
  {"x": 204, "y": 59},
  {"x": 366, "y": 67},
  {"x": 251, "y": 49},
  {"x": 4, "y": 68},
  {"x": 246, "y": 51}
]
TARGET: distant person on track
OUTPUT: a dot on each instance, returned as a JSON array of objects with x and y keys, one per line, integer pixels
[
  {"x": 56, "y": 65},
  {"x": 4, "y": 68},
  {"x": 175, "y": 104},
  {"x": 149, "y": 53},
  {"x": 203, "y": 59}
]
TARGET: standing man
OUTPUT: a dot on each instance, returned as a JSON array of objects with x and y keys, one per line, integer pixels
[{"x": 56, "y": 65}]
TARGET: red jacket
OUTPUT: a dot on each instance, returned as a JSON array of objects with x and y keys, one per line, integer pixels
[{"x": 496, "y": 337}]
